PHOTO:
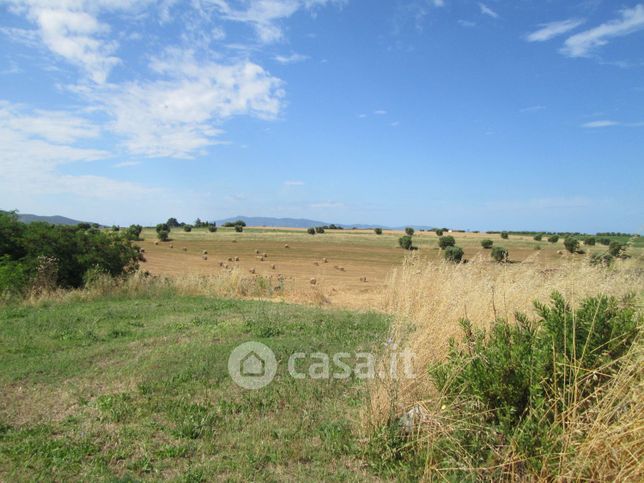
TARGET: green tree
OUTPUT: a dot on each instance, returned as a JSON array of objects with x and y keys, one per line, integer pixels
[
  {"x": 409, "y": 231},
  {"x": 446, "y": 241},
  {"x": 405, "y": 242},
  {"x": 487, "y": 243},
  {"x": 378, "y": 231},
  {"x": 504, "y": 235},
  {"x": 453, "y": 254},
  {"x": 499, "y": 254}
]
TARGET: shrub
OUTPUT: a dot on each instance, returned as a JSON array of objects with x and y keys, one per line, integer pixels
[
  {"x": 603, "y": 259},
  {"x": 589, "y": 240},
  {"x": 163, "y": 227},
  {"x": 172, "y": 223},
  {"x": 134, "y": 232},
  {"x": 439, "y": 232},
  {"x": 311, "y": 231},
  {"x": 446, "y": 241},
  {"x": 571, "y": 244},
  {"x": 504, "y": 235},
  {"x": 510, "y": 383},
  {"x": 538, "y": 237},
  {"x": 239, "y": 228},
  {"x": 553, "y": 238},
  {"x": 319, "y": 229},
  {"x": 163, "y": 235},
  {"x": 616, "y": 249},
  {"x": 212, "y": 228},
  {"x": 187, "y": 228},
  {"x": 378, "y": 231},
  {"x": 405, "y": 242},
  {"x": 453, "y": 254},
  {"x": 409, "y": 231},
  {"x": 603, "y": 241},
  {"x": 499, "y": 254},
  {"x": 116, "y": 228},
  {"x": 487, "y": 243},
  {"x": 231, "y": 224}
]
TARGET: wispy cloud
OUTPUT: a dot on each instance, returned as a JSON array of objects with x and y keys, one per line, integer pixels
[
  {"x": 327, "y": 205},
  {"x": 126, "y": 164},
  {"x": 293, "y": 183},
  {"x": 610, "y": 123},
  {"x": 380, "y": 112},
  {"x": 466, "y": 23},
  {"x": 395, "y": 124},
  {"x": 532, "y": 108},
  {"x": 485, "y": 10},
  {"x": 551, "y": 30},
  {"x": 582, "y": 44},
  {"x": 290, "y": 59}
]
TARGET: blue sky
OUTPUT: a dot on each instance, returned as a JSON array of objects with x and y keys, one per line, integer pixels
[{"x": 501, "y": 114}]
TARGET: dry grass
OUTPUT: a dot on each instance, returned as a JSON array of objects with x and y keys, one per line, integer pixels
[{"x": 429, "y": 298}]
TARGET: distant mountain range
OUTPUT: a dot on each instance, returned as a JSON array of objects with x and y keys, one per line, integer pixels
[
  {"x": 304, "y": 223},
  {"x": 54, "y": 220}
]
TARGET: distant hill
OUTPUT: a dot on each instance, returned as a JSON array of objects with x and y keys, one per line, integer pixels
[
  {"x": 302, "y": 223},
  {"x": 54, "y": 220}
]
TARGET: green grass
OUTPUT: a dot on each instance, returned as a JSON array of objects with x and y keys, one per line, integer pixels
[{"x": 129, "y": 389}]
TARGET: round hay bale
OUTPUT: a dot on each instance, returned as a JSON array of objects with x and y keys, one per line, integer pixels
[
  {"x": 265, "y": 255},
  {"x": 286, "y": 246},
  {"x": 205, "y": 252},
  {"x": 236, "y": 259},
  {"x": 184, "y": 249},
  {"x": 273, "y": 266},
  {"x": 325, "y": 260},
  {"x": 252, "y": 270},
  {"x": 316, "y": 264},
  {"x": 313, "y": 281},
  {"x": 205, "y": 257},
  {"x": 256, "y": 252},
  {"x": 171, "y": 246},
  {"x": 156, "y": 242}
]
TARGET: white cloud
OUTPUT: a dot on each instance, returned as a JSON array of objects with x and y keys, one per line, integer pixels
[
  {"x": 294, "y": 183},
  {"x": 380, "y": 112},
  {"x": 179, "y": 115},
  {"x": 485, "y": 10},
  {"x": 600, "y": 123},
  {"x": 71, "y": 30},
  {"x": 532, "y": 108},
  {"x": 290, "y": 59},
  {"x": 265, "y": 15},
  {"x": 36, "y": 144},
  {"x": 550, "y": 30},
  {"x": 466, "y": 23},
  {"x": 126, "y": 164},
  {"x": 327, "y": 205},
  {"x": 581, "y": 44},
  {"x": 395, "y": 124}
]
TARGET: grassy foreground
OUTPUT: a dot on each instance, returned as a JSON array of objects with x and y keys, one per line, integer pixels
[{"x": 122, "y": 388}]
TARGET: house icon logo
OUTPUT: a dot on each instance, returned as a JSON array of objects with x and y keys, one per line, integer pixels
[{"x": 252, "y": 365}]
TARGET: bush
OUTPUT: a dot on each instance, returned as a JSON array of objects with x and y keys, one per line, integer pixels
[
  {"x": 116, "y": 228},
  {"x": 378, "y": 231},
  {"x": 172, "y": 223},
  {"x": 553, "y": 238},
  {"x": 311, "y": 231},
  {"x": 232, "y": 224},
  {"x": 504, "y": 235},
  {"x": 538, "y": 237},
  {"x": 510, "y": 383},
  {"x": 439, "y": 232},
  {"x": 405, "y": 242},
  {"x": 453, "y": 254},
  {"x": 446, "y": 241},
  {"x": 163, "y": 227},
  {"x": 187, "y": 228},
  {"x": 63, "y": 253},
  {"x": 616, "y": 249},
  {"x": 163, "y": 235},
  {"x": 601, "y": 259},
  {"x": 409, "y": 231},
  {"x": 499, "y": 254},
  {"x": 239, "y": 228},
  {"x": 134, "y": 232},
  {"x": 319, "y": 229},
  {"x": 571, "y": 244},
  {"x": 603, "y": 241},
  {"x": 487, "y": 243},
  {"x": 212, "y": 228},
  {"x": 589, "y": 240}
]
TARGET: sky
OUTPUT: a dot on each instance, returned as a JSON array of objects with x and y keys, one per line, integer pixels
[{"x": 502, "y": 114}]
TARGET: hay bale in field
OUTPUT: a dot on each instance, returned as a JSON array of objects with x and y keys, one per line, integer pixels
[
  {"x": 142, "y": 250},
  {"x": 236, "y": 259},
  {"x": 256, "y": 251},
  {"x": 325, "y": 260},
  {"x": 252, "y": 270},
  {"x": 363, "y": 279},
  {"x": 184, "y": 249},
  {"x": 171, "y": 246},
  {"x": 265, "y": 255},
  {"x": 156, "y": 242},
  {"x": 560, "y": 252},
  {"x": 316, "y": 264},
  {"x": 342, "y": 269},
  {"x": 230, "y": 259},
  {"x": 313, "y": 281},
  {"x": 286, "y": 246},
  {"x": 273, "y": 266},
  {"x": 205, "y": 257},
  {"x": 205, "y": 252},
  {"x": 221, "y": 264}
]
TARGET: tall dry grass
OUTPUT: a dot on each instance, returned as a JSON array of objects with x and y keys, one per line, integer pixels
[{"x": 428, "y": 299}]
